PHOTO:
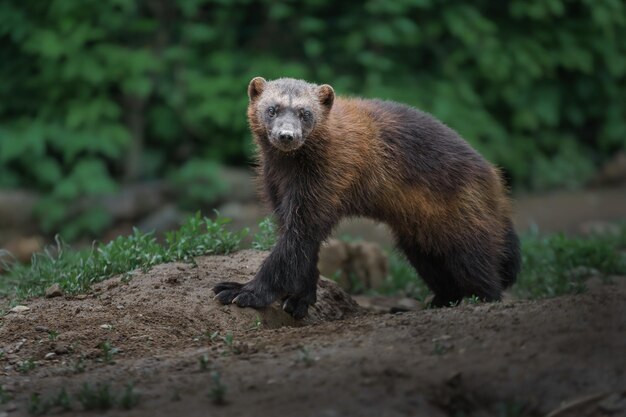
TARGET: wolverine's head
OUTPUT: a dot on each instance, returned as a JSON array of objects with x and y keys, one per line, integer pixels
[{"x": 287, "y": 110}]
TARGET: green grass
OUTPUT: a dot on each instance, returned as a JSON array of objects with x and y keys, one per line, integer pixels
[
  {"x": 217, "y": 393},
  {"x": 26, "y": 366},
  {"x": 556, "y": 265},
  {"x": 76, "y": 271},
  {"x": 99, "y": 397},
  {"x": 552, "y": 265},
  {"x": 129, "y": 398},
  {"x": 403, "y": 279},
  {"x": 90, "y": 397},
  {"x": 108, "y": 352},
  {"x": 5, "y": 397}
]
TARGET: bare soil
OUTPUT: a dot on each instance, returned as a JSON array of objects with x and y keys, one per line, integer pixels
[{"x": 565, "y": 356}]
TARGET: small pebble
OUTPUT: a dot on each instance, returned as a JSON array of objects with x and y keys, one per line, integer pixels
[
  {"x": 19, "y": 309},
  {"x": 54, "y": 291}
]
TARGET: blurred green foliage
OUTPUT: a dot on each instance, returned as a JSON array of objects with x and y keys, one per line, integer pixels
[{"x": 98, "y": 93}]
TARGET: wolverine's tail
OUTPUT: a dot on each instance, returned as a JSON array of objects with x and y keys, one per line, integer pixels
[{"x": 511, "y": 262}]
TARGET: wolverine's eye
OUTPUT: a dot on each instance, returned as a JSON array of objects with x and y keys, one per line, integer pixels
[
  {"x": 305, "y": 114},
  {"x": 271, "y": 112}
]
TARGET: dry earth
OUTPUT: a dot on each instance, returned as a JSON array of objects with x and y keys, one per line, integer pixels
[{"x": 565, "y": 356}]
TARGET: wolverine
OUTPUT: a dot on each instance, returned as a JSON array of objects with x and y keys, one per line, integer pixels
[{"x": 322, "y": 158}]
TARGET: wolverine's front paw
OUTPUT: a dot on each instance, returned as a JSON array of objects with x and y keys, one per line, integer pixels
[
  {"x": 244, "y": 295},
  {"x": 297, "y": 307}
]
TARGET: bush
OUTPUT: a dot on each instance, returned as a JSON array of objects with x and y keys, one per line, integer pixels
[{"x": 116, "y": 91}]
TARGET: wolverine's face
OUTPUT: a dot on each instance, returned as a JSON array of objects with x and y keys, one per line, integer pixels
[{"x": 289, "y": 109}]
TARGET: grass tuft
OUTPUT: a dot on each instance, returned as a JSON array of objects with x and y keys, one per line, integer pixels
[
  {"x": 99, "y": 397},
  {"x": 552, "y": 265},
  {"x": 76, "y": 271},
  {"x": 5, "y": 397},
  {"x": 556, "y": 265},
  {"x": 217, "y": 393}
]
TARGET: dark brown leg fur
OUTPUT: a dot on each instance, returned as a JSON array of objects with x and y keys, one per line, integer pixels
[
  {"x": 461, "y": 273},
  {"x": 290, "y": 272}
]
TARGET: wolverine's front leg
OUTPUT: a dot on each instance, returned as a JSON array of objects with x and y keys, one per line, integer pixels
[{"x": 289, "y": 273}]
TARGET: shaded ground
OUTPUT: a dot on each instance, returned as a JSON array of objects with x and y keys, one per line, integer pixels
[{"x": 515, "y": 358}]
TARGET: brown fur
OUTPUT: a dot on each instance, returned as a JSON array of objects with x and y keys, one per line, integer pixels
[{"x": 446, "y": 205}]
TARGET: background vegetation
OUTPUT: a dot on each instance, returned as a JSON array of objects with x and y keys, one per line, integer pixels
[{"x": 118, "y": 91}]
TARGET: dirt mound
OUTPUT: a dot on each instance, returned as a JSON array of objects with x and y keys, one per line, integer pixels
[
  {"x": 562, "y": 357},
  {"x": 170, "y": 306}
]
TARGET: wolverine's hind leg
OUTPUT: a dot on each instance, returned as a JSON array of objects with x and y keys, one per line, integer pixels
[{"x": 455, "y": 274}]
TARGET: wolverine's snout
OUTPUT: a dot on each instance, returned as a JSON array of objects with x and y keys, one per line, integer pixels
[{"x": 286, "y": 138}]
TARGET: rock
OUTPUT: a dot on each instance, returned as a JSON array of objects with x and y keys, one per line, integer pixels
[
  {"x": 16, "y": 208},
  {"x": 19, "y": 309},
  {"x": 42, "y": 329},
  {"x": 61, "y": 349},
  {"x": 22, "y": 248},
  {"x": 355, "y": 265},
  {"x": 613, "y": 172},
  {"x": 334, "y": 259},
  {"x": 54, "y": 291},
  {"x": 106, "y": 326},
  {"x": 381, "y": 304},
  {"x": 50, "y": 355},
  {"x": 407, "y": 304}
]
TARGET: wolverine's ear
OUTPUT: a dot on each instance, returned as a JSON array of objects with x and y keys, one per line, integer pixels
[
  {"x": 327, "y": 95},
  {"x": 255, "y": 88}
]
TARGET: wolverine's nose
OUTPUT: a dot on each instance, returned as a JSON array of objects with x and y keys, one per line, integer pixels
[{"x": 285, "y": 136}]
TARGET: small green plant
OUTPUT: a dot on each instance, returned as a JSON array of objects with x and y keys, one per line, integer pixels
[
  {"x": 304, "y": 357},
  {"x": 228, "y": 339},
  {"x": 78, "y": 366},
  {"x": 256, "y": 323},
  {"x": 37, "y": 405},
  {"x": 130, "y": 398},
  {"x": 53, "y": 335},
  {"x": 201, "y": 236},
  {"x": 99, "y": 397},
  {"x": 63, "y": 400},
  {"x": 217, "y": 394},
  {"x": 5, "y": 397},
  {"x": 204, "y": 362},
  {"x": 265, "y": 239},
  {"x": 474, "y": 299},
  {"x": 108, "y": 352},
  {"x": 26, "y": 366}
]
